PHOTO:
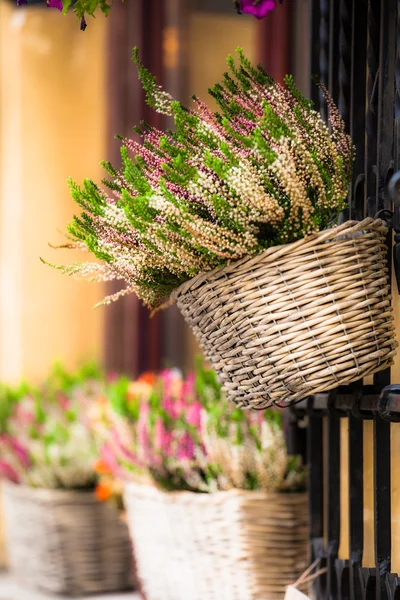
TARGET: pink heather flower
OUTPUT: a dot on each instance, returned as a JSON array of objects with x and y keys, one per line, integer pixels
[
  {"x": 123, "y": 450},
  {"x": 19, "y": 451},
  {"x": 142, "y": 430},
  {"x": 8, "y": 472},
  {"x": 188, "y": 390},
  {"x": 185, "y": 449},
  {"x": 162, "y": 439},
  {"x": 193, "y": 414},
  {"x": 109, "y": 458},
  {"x": 64, "y": 402},
  {"x": 24, "y": 412},
  {"x": 112, "y": 376},
  {"x": 257, "y": 8}
]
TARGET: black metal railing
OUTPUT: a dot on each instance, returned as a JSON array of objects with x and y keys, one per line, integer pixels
[{"x": 355, "y": 50}]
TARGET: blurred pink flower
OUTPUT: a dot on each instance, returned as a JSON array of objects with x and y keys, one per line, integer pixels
[
  {"x": 64, "y": 401},
  {"x": 24, "y": 412},
  {"x": 162, "y": 438},
  {"x": 193, "y": 414},
  {"x": 185, "y": 450},
  {"x": 112, "y": 376},
  {"x": 19, "y": 451},
  {"x": 109, "y": 459},
  {"x": 8, "y": 472}
]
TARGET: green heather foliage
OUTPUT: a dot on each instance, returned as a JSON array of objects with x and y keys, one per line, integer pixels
[
  {"x": 46, "y": 438},
  {"x": 264, "y": 170}
]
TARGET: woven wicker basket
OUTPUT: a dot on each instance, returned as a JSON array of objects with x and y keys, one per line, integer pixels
[
  {"x": 297, "y": 319},
  {"x": 66, "y": 542},
  {"x": 225, "y": 546}
]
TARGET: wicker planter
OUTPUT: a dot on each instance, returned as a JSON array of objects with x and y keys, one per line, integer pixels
[
  {"x": 66, "y": 542},
  {"x": 229, "y": 545},
  {"x": 297, "y": 319}
]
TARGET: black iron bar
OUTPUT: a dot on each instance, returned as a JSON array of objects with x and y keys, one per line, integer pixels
[
  {"x": 315, "y": 50},
  {"x": 356, "y": 505},
  {"x": 315, "y": 487},
  {"x": 357, "y": 105},
  {"x": 382, "y": 504},
  {"x": 333, "y": 496},
  {"x": 371, "y": 155},
  {"x": 387, "y": 405},
  {"x": 324, "y": 49},
  {"x": 386, "y": 99},
  {"x": 397, "y": 96},
  {"x": 334, "y": 56},
  {"x": 345, "y": 56}
]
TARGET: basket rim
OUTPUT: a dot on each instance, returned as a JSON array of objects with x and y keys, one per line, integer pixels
[
  {"x": 86, "y": 496},
  {"x": 214, "y": 497},
  {"x": 346, "y": 228}
]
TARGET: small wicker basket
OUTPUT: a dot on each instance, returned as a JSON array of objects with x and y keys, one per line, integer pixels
[
  {"x": 232, "y": 545},
  {"x": 296, "y": 319},
  {"x": 66, "y": 542}
]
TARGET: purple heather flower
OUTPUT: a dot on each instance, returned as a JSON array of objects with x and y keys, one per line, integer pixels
[
  {"x": 21, "y": 2},
  {"x": 55, "y": 4},
  {"x": 258, "y": 8},
  {"x": 83, "y": 24}
]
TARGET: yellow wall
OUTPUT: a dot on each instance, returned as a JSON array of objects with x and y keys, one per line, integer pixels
[{"x": 52, "y": 120}]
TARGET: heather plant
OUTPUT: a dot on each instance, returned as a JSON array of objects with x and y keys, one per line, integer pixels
[
  {"x": 264, "y": 170},
  {"x": 152, "y": 432},
  {"x": 45, "y": 439},
  {"x": 182, "y": 434}
]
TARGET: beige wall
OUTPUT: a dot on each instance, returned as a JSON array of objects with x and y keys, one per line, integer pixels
[{"x": 52, "y": 120}]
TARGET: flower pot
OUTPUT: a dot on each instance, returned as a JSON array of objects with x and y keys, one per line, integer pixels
[
  {"x": 296, "y": 319},
  {"x": 236, "y": 545},
  {"x": 66, "y": 542}
]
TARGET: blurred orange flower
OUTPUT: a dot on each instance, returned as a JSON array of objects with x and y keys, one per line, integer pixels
[
  {"x": 103, "y": 492},
  {"x": 148, "y": 377},
  {"x": 101, "y": 468}
]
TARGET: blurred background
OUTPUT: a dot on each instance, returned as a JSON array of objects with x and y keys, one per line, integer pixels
[{"x": 64, "y": 95}]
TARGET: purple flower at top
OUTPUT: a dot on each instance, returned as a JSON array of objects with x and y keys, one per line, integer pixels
[
  {"x": 55, "y": 4},
  {"x": 21, "y": 2},
  {"x": 257, "y": 8}
]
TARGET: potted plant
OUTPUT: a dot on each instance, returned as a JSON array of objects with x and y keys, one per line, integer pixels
[
  {"x": 215, "y": 507},
  {"x": 60, "y": 538},
  {"x": 233, "y": 215}
]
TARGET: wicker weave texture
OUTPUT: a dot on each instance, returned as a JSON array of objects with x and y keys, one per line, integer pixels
[
  {"x": 225, "y": 546},
  {"x": 66, "y": 542},
  {"x": 297, "y": 319}
]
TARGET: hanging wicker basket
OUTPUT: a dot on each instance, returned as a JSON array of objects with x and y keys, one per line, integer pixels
[
  {"x": 234, "y": 545},
  {"x": 66, "y": 542},
  {"x": 296, "y": 319}
]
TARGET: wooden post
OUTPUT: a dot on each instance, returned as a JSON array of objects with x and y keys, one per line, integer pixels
[{"x": 132, "y": 338}]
